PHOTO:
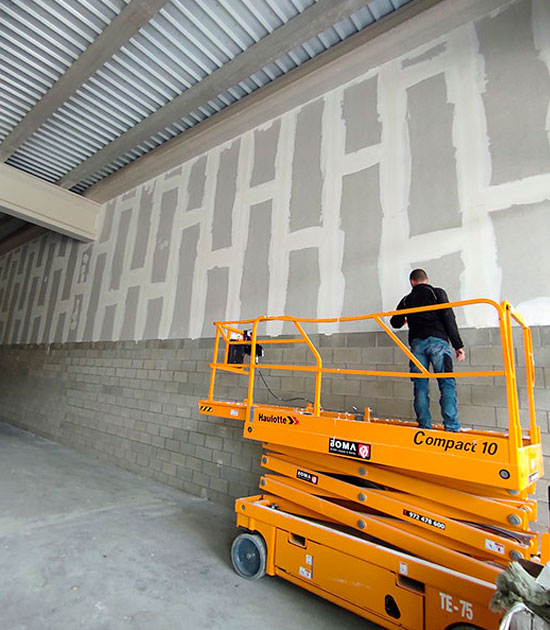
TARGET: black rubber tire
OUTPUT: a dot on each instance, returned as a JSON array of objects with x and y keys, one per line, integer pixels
[{"x": 249, "y": 556}]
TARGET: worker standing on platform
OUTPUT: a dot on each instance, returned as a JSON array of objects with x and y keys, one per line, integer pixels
[{"x": 429, "y": 335}]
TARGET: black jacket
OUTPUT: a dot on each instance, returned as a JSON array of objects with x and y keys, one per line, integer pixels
[{"x": 439, "y": 323}]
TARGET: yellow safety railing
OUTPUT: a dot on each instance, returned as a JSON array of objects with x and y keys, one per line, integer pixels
[{"x": 505, "y": 314}]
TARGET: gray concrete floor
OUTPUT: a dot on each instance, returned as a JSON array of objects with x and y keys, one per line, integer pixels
[{"x": 87, "y": 545}]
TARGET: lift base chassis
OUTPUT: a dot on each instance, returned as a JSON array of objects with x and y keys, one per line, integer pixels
[{"x": 386, "y": 586}]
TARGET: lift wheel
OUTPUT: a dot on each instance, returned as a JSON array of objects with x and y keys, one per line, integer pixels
[{"x": 248, "y": 555}]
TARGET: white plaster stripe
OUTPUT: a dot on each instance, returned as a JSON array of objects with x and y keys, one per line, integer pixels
[
  {"x": 204, "y": 247},
  {"x": 332, "y": 282},
  {"x": 278, "y": 258},
  {"x": 259, "y": 193},
  {"x": 393, "y": 265},
  {"x": 523, "y": 191},
  {"x": 240, "y": 226},
  {"x": 358, "y": 160},
  {"x": 420, "y": 72},
  {"x": 465, "y": 85}
]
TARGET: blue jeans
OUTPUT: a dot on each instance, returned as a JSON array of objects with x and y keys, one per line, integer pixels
[{"x": 437, "y": 352}]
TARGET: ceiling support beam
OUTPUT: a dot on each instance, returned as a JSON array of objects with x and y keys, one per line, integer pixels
[
  {"x": 126, "y": 24},
  {"x": 46, "y": 205},
  {"x": 314, "y": 20}
]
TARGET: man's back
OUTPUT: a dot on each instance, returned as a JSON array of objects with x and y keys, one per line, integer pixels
[
  {"x": 429, "y": 334},
  {"x": 440, "y": 323}
]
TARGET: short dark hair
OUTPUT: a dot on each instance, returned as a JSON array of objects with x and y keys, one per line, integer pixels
[{"x": 418, "y": 275}]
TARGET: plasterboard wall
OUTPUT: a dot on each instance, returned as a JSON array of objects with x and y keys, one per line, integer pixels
[{"x": 439, "y": 158}]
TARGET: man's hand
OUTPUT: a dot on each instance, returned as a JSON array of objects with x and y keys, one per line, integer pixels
[{"x": 460, "y": 355}]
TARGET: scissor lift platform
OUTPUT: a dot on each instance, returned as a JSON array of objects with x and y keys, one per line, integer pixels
[
  {"x": 468, "y": 455},
  {"x": 408, "y": 527}
]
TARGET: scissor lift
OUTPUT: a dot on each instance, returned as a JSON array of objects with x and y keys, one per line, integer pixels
[{"x": 407, "y": 527}]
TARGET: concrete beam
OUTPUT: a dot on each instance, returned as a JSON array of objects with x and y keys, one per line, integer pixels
[
  {"x": 41, "y": 203},
  {"x": 311, "y": 22},
  {"x": 125, "y": 25}
]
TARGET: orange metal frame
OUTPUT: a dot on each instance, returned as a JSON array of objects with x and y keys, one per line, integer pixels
[
  {"x": 429, "y": 517},
  {"x": 510, "y": 460},
  {"x": 504, "y": 311}
]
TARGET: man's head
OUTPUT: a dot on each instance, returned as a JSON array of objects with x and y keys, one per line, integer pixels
[{"x": 418, "y": 276}]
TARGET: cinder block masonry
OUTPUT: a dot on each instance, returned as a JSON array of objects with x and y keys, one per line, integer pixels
[{"x": 135, "y": 404}]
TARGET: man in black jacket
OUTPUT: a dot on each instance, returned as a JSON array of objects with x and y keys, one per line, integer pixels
[{"x": 429, "y": 335}]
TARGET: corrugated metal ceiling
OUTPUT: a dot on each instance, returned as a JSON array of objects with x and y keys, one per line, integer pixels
[{"x": 180, "y": 46}]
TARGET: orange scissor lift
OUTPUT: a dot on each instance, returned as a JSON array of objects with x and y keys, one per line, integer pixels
[{"x": 407, "y": 527}]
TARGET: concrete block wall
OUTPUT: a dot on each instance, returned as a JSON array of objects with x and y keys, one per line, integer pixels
[
  {"x": 131, "y": 404},
  {"x": 135, "y": 404}
]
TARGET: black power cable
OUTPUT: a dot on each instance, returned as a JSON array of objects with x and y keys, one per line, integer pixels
[
  {"x": 354, "y": 409},
  {"x": 277, "y": 397}
]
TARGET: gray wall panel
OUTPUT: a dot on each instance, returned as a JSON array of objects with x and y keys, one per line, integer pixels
[
  {"x": 22, "y": 258},
  {"x": 517, "y": 95},
  {"x": 107, "y": 227},
  {"x": 69, "y": 271},
  {"x": 197, "y": 182},
  {"x": 226, "y": 187},
  {"x": 58, "y": 338},
  {"x": 307, "y": 179},
  {"x": 10, "y": 280},
  {"x": 11, "y": 312},
  {"x": 29, "y": 311},
  {"x": 175, "y": 172},
  {"x": 154, "y": 314},
  {"x": 108, "y": 324},
  {"x": 265, "y": 154},
  {"x": 143, "y": 227},
  {"x": 41, "y": 249},
  {"x": 35, "y": 328},
  {"x": 216, "y": 299},
  {"x": 361, "y": 215},
  {"x": 120, "y": 249},
  {"x": 184, "y": 282},
  {"x": 168, "y": 205},
  {"x": 95, "y": 295},
  {"x": 74, "y": 318},
  {"x": 520, "y": 232},
  {"x": 15, "y": 332},
  {"x": 46, "y": 274},
  {"x": 62, "y": 249},
  {"x": 128, "y": 330},
  {"x": 85, "y": 262},
  {"x": 255, "y": 280},
  {"x": 433, "y": 200},
  {"x": 360, "y": 113},
  {"x": 6, "y": 265},
  {"x": 304, "y": 279},
  {"x": 52, "y": 303},
  {"x": 24, "y": 293}
]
